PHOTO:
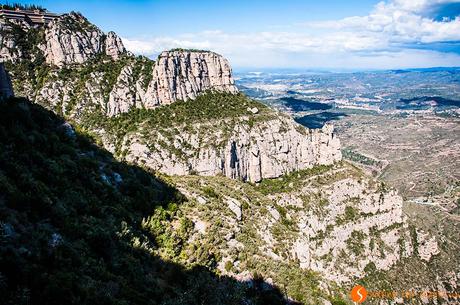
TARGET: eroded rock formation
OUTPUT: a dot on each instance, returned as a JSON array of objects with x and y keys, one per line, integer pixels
[
  {"x": 176, "y": 75},
  {"x": 268, "y": 149},
  {"x": 181, "y": 75},
  {"x": 71, "y": 39}
]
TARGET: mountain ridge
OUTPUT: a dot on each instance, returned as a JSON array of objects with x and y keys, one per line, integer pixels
[
  {"x": 74, "y": 74},
  {"x": 264, "y": 201}
]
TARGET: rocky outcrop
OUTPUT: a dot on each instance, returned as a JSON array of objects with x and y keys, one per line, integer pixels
[
  {"x": 6, "y": 89},
  {"x": 177, "y": 75},
  {"x": 355, "y": 222},
  {"x": 114, "y": 46},
  {"x": 182, "y": 75},
  {"x": 334, "y": 221},
  {"x": 123, "y": 95},
  {"x": 270, "y": 149},
  {"x": 71, "y": 39},
  {"x": 9, "y": 50}
]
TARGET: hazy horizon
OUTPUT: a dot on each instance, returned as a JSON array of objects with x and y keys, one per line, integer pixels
[{"x": 331, "y": 35}]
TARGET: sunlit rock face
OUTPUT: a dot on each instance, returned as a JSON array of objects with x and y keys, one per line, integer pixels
[
  {"x": 182, "y": 75},
  {"x": 176, "y": 75},
  {"x": 71, "y": 39},
  {"x": 269, "y": 149}
]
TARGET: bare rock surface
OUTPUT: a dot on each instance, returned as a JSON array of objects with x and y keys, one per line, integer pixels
[
  {"x": 71, "y": 39},
  {"x": 182, "y": 75},
  {"x": 269, "y": 149}
]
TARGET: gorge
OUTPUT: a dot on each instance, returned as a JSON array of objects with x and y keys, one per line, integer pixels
[{"x": 158, "y": 180}]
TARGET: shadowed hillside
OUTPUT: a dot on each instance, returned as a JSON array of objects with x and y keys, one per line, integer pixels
[{"x": 70, "y": 224}]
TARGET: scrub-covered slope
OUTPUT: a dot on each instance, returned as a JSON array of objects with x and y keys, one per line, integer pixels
[{"x": 72, "y": 225}]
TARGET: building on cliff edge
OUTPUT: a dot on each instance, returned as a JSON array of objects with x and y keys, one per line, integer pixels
[{"x": 34, "y": 18}]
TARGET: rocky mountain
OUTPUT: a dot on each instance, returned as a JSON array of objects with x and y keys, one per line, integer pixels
[
  {"x": 68, "y": 40},
  {"x": 83, "y": 72},
  {"x": 71, "y": 39},
  {"x": 176, "y": 75},
  {"x": 260, "y": 209},
  {"x": 249, "y": 147},
  {"x": 71, "y": 225},
  {"x": 332, "y": 220}
]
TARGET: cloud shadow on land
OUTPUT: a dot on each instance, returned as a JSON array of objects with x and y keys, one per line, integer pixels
[
  {"x": 70, "y": 229},
  {"x": 317, "y": 120},
  {"x": 425, "y": 102},
  {"x": 302, "y": 105}
]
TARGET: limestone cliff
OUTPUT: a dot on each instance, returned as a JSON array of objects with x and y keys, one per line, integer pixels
[
  {"x": 332, "y": 220},
  {"x": 269, "y": 148},
  {"x": 71, "y": 45},
  {"x": 181, "y": 75},
  {"x": 176, "y": 75},
  {"x": 87, "y": 73},
  {"x": 9, "y": 50},
  {"x": 328, "y": 219},
  {"x": 6, "y": 88},
  {"x": 71, "y": 39}
]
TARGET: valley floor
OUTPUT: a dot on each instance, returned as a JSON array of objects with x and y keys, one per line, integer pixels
[{"x": 417, "y": 154}]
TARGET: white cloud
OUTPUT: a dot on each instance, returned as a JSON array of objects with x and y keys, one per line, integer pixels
[
  {"x": 417, "y": 6},
  {"x": 372, "y": 41},
  {"x": 399, "y": 21},
  {"x": 156, "y": 45}
]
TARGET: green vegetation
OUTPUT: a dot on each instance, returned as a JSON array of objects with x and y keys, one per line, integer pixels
[
  {"x": 414, "y": 238},
  {"x": 206, "y": 107},
  {"x": 351, "y": 214},
  {"x": 338, "y": 301},
  {"x": 78, "y": 227},
  {"x": 143, "y": 70},
  {"x": 208, "y": 114},
  {"x": 20, "y": 6},
  {"x": 77, "y": 25},
  {"x": 355, "y": 242},
  {"x": 290, "y": 181},
  {"x": 228, "y": 266},
  {"x": 209, "y": 191},
  {"x": 352, "y": 155},
  {"x": 299, "y": 284},
  {"x": 32, "y": 64},
  {"x": 188, "y": 50}
]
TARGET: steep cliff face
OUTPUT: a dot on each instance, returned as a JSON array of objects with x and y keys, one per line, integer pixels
[
  {"x": 332, "y": 220},
  {"x": 83, "y": 60},
  {"x": 9, "y": 51},
  {"x": 182, "y": 75},
  {"x": 318, "y": 215},
  {"x": 113, "y": 45},
  {"x": 176, "y": 75},
  {"x": 87, "y": 72},
  {"x": 6, "y": 88},
  {"x": 268, "y": 149},
  {"x": 71, "y": 39}
]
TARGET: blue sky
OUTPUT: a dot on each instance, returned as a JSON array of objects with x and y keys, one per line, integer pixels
[{"x": 332, "y": 34}]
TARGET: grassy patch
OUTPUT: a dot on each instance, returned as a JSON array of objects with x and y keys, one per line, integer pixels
[{"x": 290, "y": 181}]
